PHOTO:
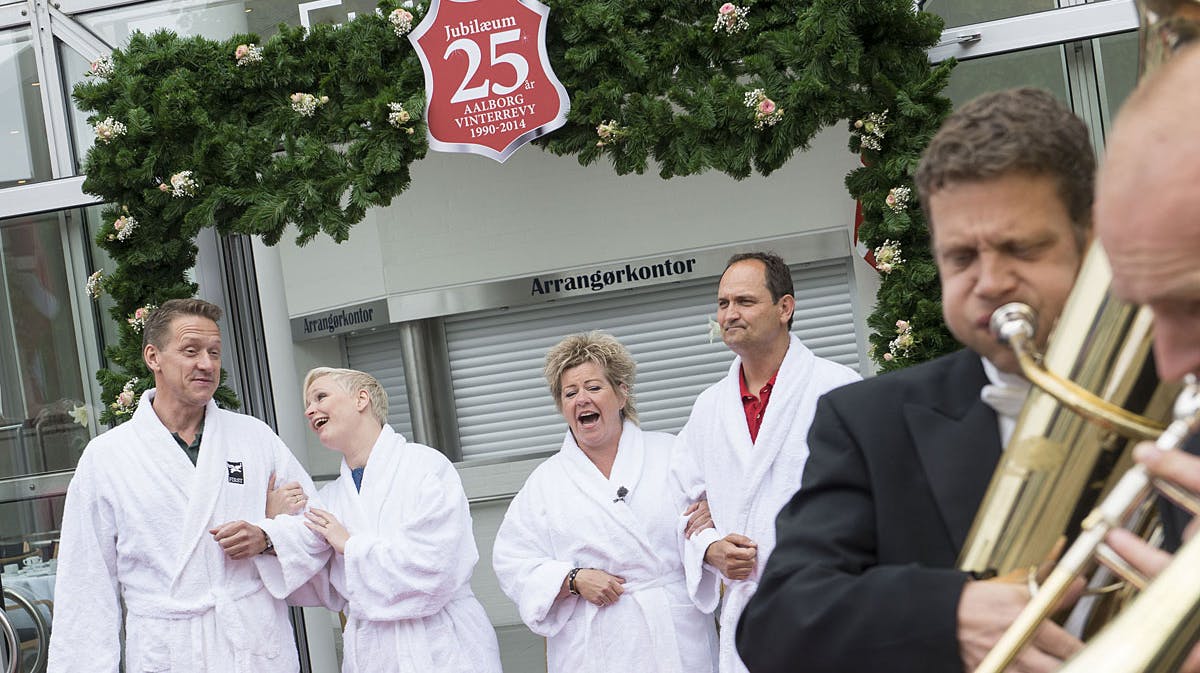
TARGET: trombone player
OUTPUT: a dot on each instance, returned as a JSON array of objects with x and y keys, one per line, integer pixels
[
  {"x": 1148, "y": 219},
  {"x": 864, "y": 577}
]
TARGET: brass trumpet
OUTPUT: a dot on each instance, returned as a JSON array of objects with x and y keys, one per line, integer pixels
[
  {"x": 1174, "y": 630},
  {"x": 1058, "y": 463}
]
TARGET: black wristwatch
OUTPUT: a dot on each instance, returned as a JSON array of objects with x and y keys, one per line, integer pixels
[
  {"x": 571, "y": 581},
  {"x": 270, "y": 545}
]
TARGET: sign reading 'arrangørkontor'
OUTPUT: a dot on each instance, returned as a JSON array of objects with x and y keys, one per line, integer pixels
[
  {"x": 341, "y": 320},
  {"x": 489, "y": 87}
]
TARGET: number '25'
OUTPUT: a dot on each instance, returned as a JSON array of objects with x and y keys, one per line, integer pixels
[{"x": 518, "y": 63}]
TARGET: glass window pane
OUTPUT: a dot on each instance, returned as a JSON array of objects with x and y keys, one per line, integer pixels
[
  {"x": 29, "y": 536},
  {"x": 1116, "y": 69},
  {"x": 963, "y": 12},
  {"x": 216, "y": 19},
  {"x": 24, "y": 151},
  {"x": 1042, "y": 67},
  {"x": 42, "y": 380},
  {"x": 264, "y": 16},
  {"x": 74, "y": 68}
]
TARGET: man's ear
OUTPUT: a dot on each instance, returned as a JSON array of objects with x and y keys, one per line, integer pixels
[
  {"x": 150, "y": 356},
  {"x": 363, "y": 400},
  {"x": 787, "y": 306}
]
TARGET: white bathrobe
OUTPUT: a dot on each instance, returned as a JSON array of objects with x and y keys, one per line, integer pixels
[
  {"x": 565, "y": 517},
  {"x": 405, "y": 579},
  {"x": 135, "y": 528},
  {"x": 746, "y": 482}
]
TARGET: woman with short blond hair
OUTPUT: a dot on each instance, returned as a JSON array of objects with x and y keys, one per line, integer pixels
[
  {"x": 404, "y": 549},
  {"x": 591, "y": 547}
]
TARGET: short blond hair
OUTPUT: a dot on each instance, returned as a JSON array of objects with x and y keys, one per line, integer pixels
[
  {"x": 352, "y": 381},
  {"x": 599, "y": 348}
]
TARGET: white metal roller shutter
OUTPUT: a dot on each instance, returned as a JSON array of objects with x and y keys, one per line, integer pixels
[
  {"x": 504, "y": 406},
  {"x": 378, "y": 354}
]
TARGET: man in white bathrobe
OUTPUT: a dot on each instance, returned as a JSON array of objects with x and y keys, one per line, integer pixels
[
  {"x": 746, "y": 440},
  {"x": 164, "y": 521}
]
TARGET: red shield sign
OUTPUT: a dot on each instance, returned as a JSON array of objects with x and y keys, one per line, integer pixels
[{"x": 489, "y": 87}]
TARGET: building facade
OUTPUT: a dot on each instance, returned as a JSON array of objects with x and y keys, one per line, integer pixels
[{"x": 453, "y": 293}]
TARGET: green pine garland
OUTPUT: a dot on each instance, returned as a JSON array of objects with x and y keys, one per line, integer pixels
[{"x": 653, "y": 83}]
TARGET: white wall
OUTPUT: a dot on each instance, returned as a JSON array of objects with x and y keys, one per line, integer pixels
[{"x": 467, "y": 219}]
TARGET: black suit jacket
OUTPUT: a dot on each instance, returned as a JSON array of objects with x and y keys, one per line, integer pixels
[{"x": 862, "y": 577}]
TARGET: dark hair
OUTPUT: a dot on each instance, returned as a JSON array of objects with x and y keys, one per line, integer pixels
[
  {"x": 160, "y": 319},
  {"x": 1022, "y": 130},
  {"x": 778, "y": 277}
]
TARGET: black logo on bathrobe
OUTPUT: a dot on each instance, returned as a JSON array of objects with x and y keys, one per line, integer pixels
[{"x": 235, "y": 473}]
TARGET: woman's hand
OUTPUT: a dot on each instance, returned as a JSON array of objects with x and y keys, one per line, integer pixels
[
  {"x": 699, "y": 518},
  {"x": 287, "y": 499},
  {"x": 598, "y": 587},
  {"x": 326, "y": 524}
]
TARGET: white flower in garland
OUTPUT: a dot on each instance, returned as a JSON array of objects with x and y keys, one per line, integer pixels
[
  {"x": 871, "y": 129},
  {"x": 306, "y": 104},
  {"x": 247, "y": 54},
  {"x": 731, "y": 18},
  {"x": 138, "y": 320},
  {"x": 887, "y": 257},
  {"x": 715, "y": 333},
  {"x": 398, "y": 117},
  {"x": 180, "y": 185},
  {"x": 401, "y": 20},
  {"x": 93, "y": 286},
  {"x": 102, "y": 68},
  {"x": 123, "y": 227},
  {"x": 610, "y": 132},
  {"x": 108, "y": 129},
  {"x": 904, "y": 341},
  {"x": 897, "y": 199},
  {"x": 126, "y": 400},
  {"x": 766, "y": 112}
]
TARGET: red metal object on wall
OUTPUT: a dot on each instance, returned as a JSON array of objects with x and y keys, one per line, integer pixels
[{"x": 489, "y": 86}]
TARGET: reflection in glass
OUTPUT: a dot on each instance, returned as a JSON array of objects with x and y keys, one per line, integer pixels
[
  {"x": 1117, "y": 69},
  {"x": 963, "y": 12},
  {"x": 74, "y": 66},
  {"x": 42, "y": 397},
  {"x": 215, "y": 20},
  {"x": 28, "y": 560},
  {"x": 1042, "y": 67},
  {"x": 221, "y": 19},
  {"x": 24, "y": 151}
]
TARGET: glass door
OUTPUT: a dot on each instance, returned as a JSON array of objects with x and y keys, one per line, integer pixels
[{"x": 45, "y": 419}]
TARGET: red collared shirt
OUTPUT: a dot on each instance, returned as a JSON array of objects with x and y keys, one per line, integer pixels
[{"x": 755, "y": 407}]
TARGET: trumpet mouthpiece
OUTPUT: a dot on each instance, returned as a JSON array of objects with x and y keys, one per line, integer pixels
[{"x": 1013, "y": 319}]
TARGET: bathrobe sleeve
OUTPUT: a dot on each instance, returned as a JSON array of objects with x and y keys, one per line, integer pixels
[
  {"x": 419, "y": 561},
  {"x": 87, "y": 615},
  {"x": 703, "y": 580},
  {"x": 523, "y": 558},
  {"x": 299, "y": 553}
]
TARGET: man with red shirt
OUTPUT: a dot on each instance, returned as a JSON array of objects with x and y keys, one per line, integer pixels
[{"x": 745, "y": 444}]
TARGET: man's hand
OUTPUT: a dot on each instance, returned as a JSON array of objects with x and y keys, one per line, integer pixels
[
  {"x": 734, "y": 555},
  {"x": 1183, "y": 469},
  {"x": 598, "y": 587},
  {"x": 287, "y": 499},
  {"x": 699, "y": 518},
  {"x": 986, "y": 610},
  {"x": 240, "y": 539}
]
